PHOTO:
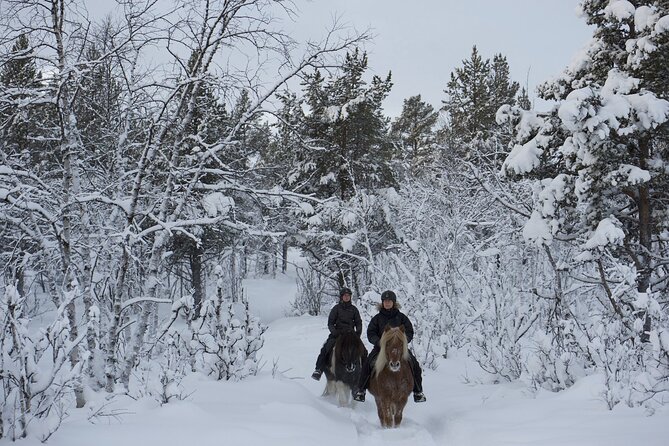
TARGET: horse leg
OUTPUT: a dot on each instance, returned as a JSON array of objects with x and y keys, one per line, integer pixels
[
  {"x": 397, "y": 419},
  {"x": 382, "y": 412},
  {"x": 343, "y": 393},
  {"x": 330, "y": 388},
  {"x": 390, "y": 412}
]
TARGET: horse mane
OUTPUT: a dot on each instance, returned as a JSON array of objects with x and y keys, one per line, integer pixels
[
  {"x": 349, "y": 337},
  {"x": 382, "y": 359}
]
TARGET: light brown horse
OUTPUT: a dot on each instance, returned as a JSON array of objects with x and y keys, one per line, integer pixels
[{"x": 392, "y": 380}]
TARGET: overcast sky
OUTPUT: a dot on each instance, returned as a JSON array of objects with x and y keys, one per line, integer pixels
[{"x": 423, "y": 41}]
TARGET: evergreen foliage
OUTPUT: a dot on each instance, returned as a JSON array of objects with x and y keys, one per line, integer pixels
[
  {"x": 474, "y": 93},
  {"x": 598, "y": 160},
  {"x": 414, "y": 130}
]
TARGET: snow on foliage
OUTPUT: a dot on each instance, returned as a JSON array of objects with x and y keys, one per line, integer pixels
[
  {"x": 607, "y": 233},
  {"x": 35, "y": 368},
  {"x": 328, "y": 178},
  {"x": 347, "y": 243},
  {"x": 217, "y": 204},
  {"x": 306, "y": 208},
  {"x": 537, "y": 231},
  {"x": 596, "y": 161},
  {"x": 340, "y": 113},
  {"x": 523, "y": 158},
  {"x": 619, "y": 9}
]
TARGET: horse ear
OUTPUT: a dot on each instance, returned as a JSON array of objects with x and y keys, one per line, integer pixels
[
  {"x": 386, "y": 328},
  {"x": 402, "y": 328}
]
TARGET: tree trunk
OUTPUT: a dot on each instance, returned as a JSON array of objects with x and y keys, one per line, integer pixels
[
  {"x": 645, "y": 237},
  {"x": 284, "y": 257},
  {"x": 151, "y": 286},
  {"x": 196, "y": 275}
]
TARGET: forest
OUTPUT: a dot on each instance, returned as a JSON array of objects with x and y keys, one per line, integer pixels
[{"x": 139, "y": 190}]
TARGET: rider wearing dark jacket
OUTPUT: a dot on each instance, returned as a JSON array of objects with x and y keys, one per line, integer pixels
[
  {"x": 344, "y": 317},
  {"x": 389, "y": 315}
]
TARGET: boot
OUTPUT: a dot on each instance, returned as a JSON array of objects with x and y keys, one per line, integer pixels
[
  {"x": 419, "y": 397},
  {"x": 359, "y": 395},
  {"x": 317, "y": 374}
]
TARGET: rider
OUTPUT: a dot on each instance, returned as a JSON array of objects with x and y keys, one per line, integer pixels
[
  {"x": 389, "y": 314},
  {"x": 343, "y": 317}
]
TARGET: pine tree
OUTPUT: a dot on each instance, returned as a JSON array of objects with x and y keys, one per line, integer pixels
[
  {"x": 523, "y": 99},
  {"x": 18, "y": 81},
  {"x": 347, "y": 132},
  {"x": 473, "y": 95},
  {"x": 599, "y": 159},
  {"x": 413, "y": 129}
]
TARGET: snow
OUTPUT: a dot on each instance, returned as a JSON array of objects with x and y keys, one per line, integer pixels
[
  {"x": 662, "y": 25},
  {"x": 283, "y": 406},
  {"x": 523, "y": 158},
  {"x": 306, "y": 208},
  {"x": 537, "y": 231},
  {"x": 216, "y": 204},
  {"x": 347, "y": 243},
  {"x": 645, "y": 17},
  {"x": 607, "y": 232},
  {"x": 335, "y": 113},
  {"x": 619, "y": 9}
]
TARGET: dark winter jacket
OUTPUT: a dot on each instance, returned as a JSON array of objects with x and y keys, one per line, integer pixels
[
  {"x": 393, "y": 317},
  {"x": 344, "y": 317}
]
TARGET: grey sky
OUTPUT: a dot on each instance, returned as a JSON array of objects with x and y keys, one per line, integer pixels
[{"x": 422, "y": 41}]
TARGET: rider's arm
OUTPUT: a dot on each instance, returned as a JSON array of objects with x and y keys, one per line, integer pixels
[
  {"x": 358, "y": 322},
  {"x": 332, "y": 320},
  {"x": 373, "y": 335},
  {"x": 408, "y": 328}
]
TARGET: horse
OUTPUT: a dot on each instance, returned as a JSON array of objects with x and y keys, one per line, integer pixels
[
  {"x": 346, "y": 361},
  {"x": 392, "y": 379}
]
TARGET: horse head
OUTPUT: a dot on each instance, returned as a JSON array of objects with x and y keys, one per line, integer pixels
[
  {"x": 394, "y": 349},
  {"x": 350, "y": 351}
]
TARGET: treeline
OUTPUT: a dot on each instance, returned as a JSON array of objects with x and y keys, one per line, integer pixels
[{"x": 535, "y": 241}]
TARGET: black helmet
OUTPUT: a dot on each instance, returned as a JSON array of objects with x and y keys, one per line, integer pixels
[
  {"x": 345, "y": 291},
  {"x": 388, "y": 295}
]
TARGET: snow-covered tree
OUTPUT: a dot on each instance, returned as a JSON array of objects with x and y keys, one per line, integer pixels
[
  {"x": 346, "y": 132},
  {"x": 598, "y": 160},
  {"x": 473, "y": 94},
  {"x": 131, "y": 158},
  {"x": 414, "y": 130}
]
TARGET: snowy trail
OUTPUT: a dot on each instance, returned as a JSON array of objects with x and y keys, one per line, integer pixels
[
  {"x": 299, "y": 340},
  {"x": 370, "y": 433},
  {"x": 460, "y": 412},
  {"x": 283, "y": 406}
]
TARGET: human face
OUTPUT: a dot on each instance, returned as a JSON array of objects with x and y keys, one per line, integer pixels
[
  {"x": 346, "y": 297},
  {"x": 388, "y": 304}
]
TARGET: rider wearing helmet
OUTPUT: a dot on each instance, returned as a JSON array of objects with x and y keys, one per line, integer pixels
[
  {"x": 389, "y": 314},
  {"x": 343, "y": 317}
]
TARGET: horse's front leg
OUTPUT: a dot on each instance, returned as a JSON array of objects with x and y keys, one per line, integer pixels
[
  {"x": 397, "y": 415},
  {"x": 382, "y": 411}
]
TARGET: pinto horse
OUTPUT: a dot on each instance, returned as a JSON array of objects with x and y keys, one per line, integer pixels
[
  {"x": 346, "y": 361},
  {"x": 392, "y": 379}
]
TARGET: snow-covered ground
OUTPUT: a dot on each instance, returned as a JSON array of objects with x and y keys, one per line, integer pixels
[{"x": 282, "y": 405}]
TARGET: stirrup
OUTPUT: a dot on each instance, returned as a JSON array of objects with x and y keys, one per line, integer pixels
[
  {"x": 317, "y": 374},
  {"x": 419, "y": 397},
  {"x": 359, "y": 396}
]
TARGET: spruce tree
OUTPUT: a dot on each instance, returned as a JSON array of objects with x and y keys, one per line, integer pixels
[
  {"x": 413, "y": 129},
  {"x": 474, "y": 93},
  {"x": 18, "y": 83},
  {"x": 347, "y": 132},
  {"x": 599, "y": 156}
]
